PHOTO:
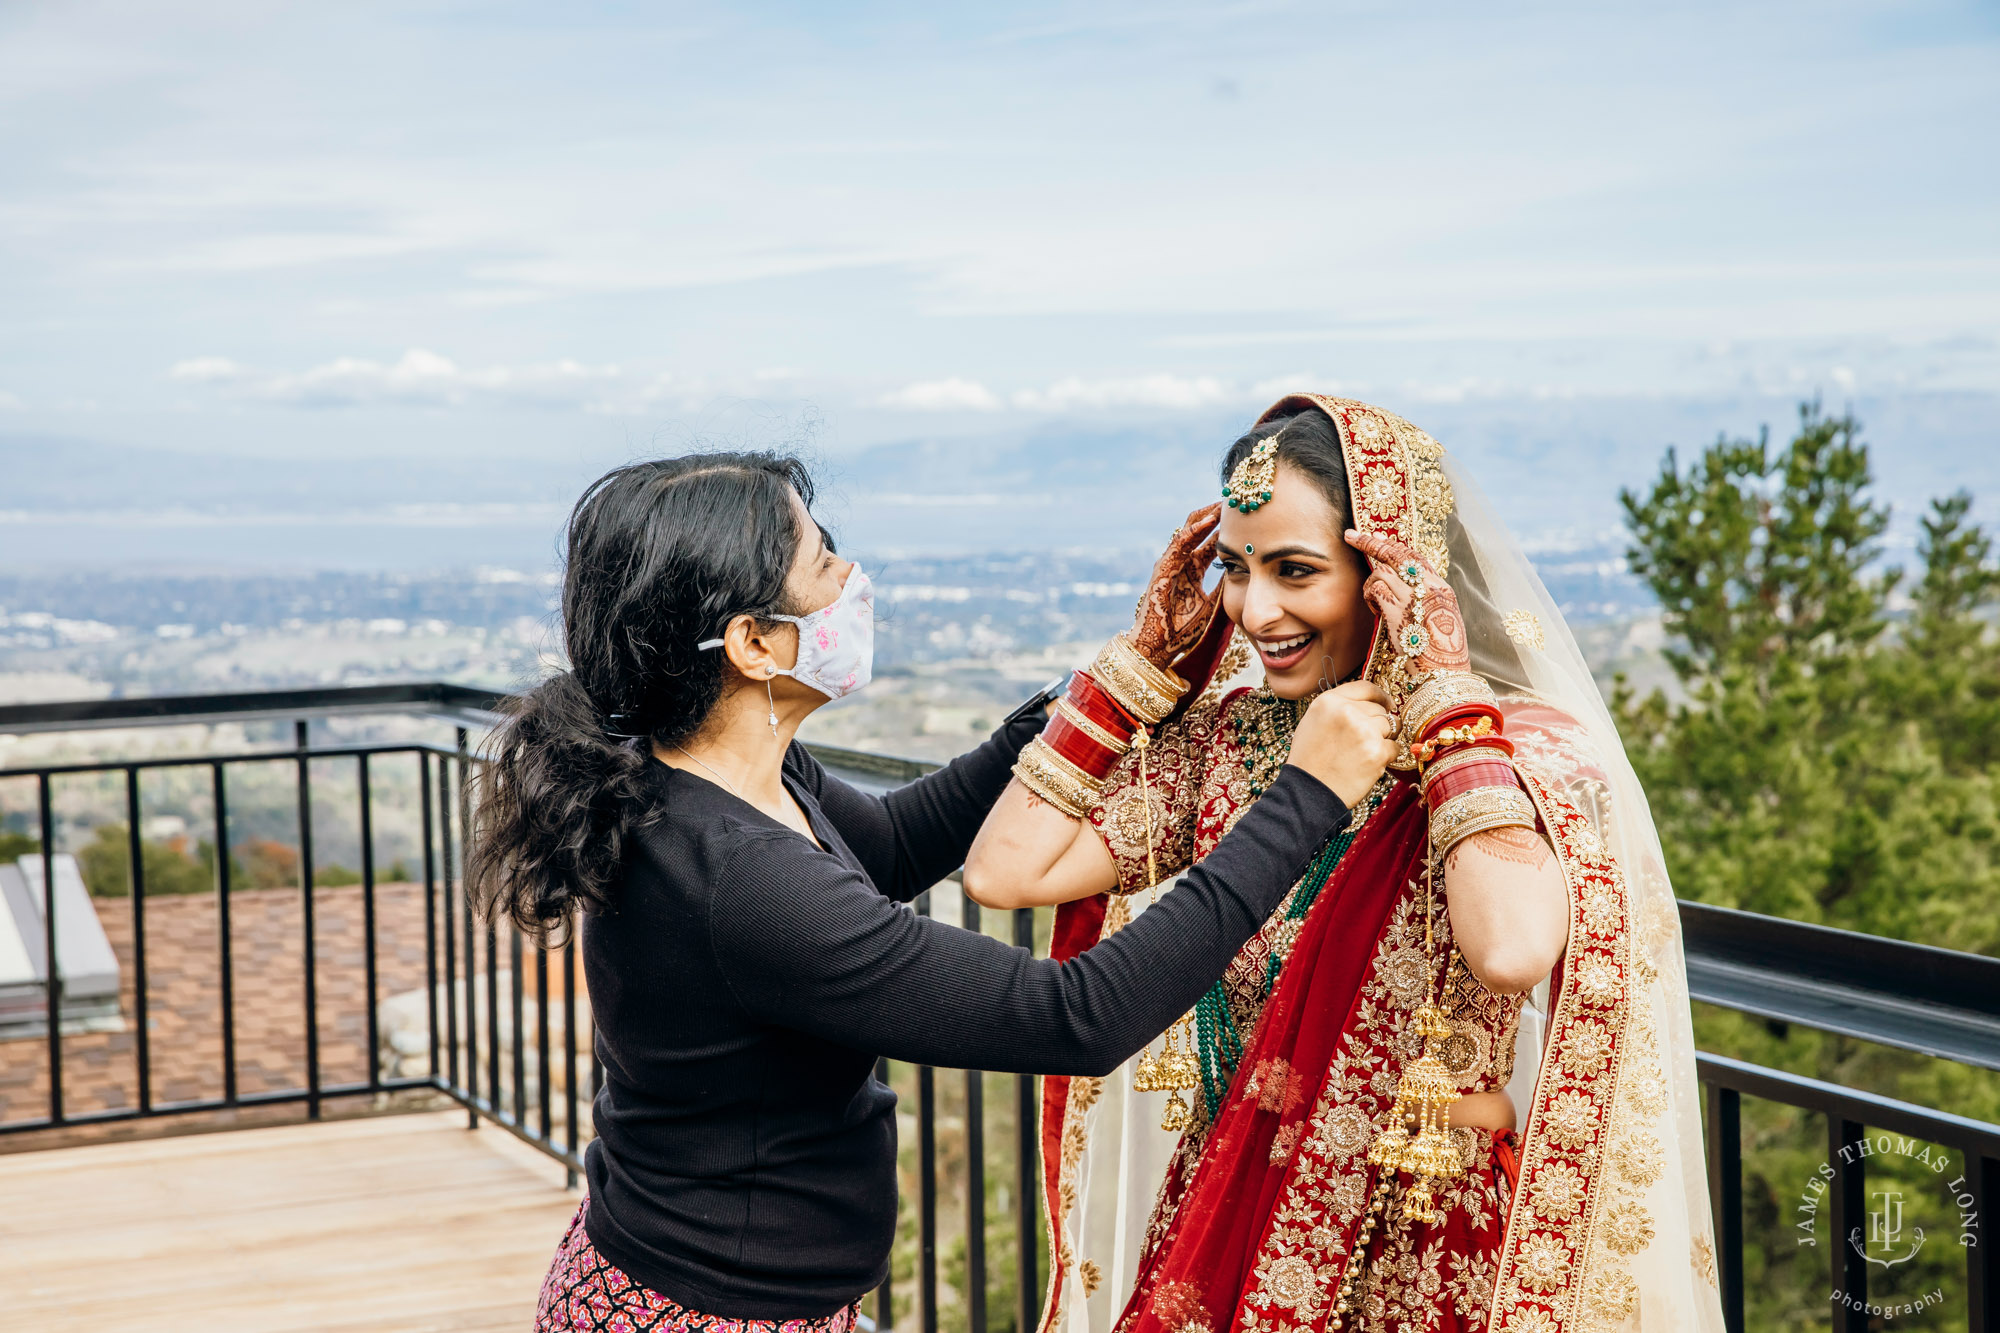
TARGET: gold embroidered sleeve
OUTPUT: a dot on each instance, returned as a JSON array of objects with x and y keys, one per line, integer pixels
[{"x": 1173, "y": 771}]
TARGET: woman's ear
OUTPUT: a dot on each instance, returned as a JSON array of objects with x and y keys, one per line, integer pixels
[{"x": 751, "y": 651}]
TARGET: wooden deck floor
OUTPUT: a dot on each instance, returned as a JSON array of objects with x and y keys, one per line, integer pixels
[{"x": 393, "y": 1222}]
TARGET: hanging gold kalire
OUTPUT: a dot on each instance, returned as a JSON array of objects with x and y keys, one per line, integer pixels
[
  {"x": 1424, "y": 1096},
  {"x": 1174, "y": 1070}
]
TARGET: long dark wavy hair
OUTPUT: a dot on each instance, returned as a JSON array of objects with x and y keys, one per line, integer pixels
[{"x": 658, "y": 557}]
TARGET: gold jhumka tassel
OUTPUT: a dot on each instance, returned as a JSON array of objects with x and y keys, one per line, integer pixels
[
  {"x": 1174, "y": 1071},
  {"x": 1424, "y": 1094}
]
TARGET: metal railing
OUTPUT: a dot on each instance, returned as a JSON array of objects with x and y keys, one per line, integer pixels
[{"x": 1932, "y": 1001}]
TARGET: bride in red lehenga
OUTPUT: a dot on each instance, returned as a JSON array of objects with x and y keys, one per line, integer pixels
[{"x": 1450, "y": 1084}]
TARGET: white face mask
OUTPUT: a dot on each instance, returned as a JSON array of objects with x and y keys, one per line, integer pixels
[{"x": 836, "y": 642}]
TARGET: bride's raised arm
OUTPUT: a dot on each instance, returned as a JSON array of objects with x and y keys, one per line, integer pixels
[
  {"x": 1038, "y": 846},
  {"x": 1503, "y": 887}
]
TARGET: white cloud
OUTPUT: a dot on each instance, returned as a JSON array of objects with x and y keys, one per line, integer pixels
[
  {"x": 10, "y": 402},
  {"x": 207, "y": 370},
  {"x": 946, "y": 395},
  {"x": 421, "y": 378},
  {"x": 1157, "y": 391}
]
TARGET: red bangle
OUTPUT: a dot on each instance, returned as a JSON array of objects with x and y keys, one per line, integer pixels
[
  {"x": 1094, "y": 703},
  {"x": 1462, "y": 714},
  {"x": 1462, "y": 780},
  {"x": 1087, "y": 753}
]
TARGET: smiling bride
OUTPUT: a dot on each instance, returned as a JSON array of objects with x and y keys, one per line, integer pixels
[{"x": 1450, "y": 1083}]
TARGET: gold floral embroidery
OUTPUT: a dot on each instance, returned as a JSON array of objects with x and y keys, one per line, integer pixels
[
  {"x": 1572, "y": 1120},
  {"x": 1407, "y": 974},
  {"x": 1601, "y": 908},
  {"x": 1091, "y": 1274},
  {"x": 1640, "y": 1158},
  {"x": 1628, "y": 1227},
  {"x": 1346, "y": 1131},
  {"x": 1586, "y": 1049},
  {"x": 1292, "y": 1282},
  {"x": 1597, "y": 981},
  {"x": 1382, "y": 494},
  {"x": 1649, "y": 1090},
  {"x": 1557, "y": 1192},
  {"x": 1703, "y": 1256},
  {"x": 1529, "y": 1319},
  {"x": 1611, "y": 1299},
  {"x": 1525, "y": 628},
  {"x": 1543, "y": 1262}
]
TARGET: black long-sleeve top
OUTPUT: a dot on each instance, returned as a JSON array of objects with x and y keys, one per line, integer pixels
[{"x": 747, "y": 980}]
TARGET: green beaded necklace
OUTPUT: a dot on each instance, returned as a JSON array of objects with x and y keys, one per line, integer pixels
[{"x": 1218, "y": 1042}]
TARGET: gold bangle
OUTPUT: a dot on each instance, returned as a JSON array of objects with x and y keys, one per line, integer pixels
[
  {"x": 1116, "y": 674},
  {"x": 1091, "y": 729},
  {"x": 1440, "y": 692},
  {"x": 1056, "y": 780},
  {"x": 1478, "y": 810},
  {"x": 1472, "y": 754},
  {"x": 1162, "y": 680},
  {"x": 1476, "y": 730}
]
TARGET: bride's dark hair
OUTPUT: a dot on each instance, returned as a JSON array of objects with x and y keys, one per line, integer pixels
[
  {"x": 1311, "y": 446},
  {"x": 659, "y": 556}
]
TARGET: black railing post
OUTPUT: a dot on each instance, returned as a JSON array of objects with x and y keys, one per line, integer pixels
[
  {"x": 449, "y": 851},
  {"x": 302, "y": 730},
  {"x": 1725, "y": 1197},
  {"x": 517, "y": 987},
  {"x": 885, "y": 1302},
  {"x": 227, "y": 970},
  {"x": 927, "y": 1294},
  {"x": 1027, "y": 1140},
  {"x": 572, "y": 1132},
  {"x": 547, "y": 1112},
  {"x": 135, "y": 877},
  {"x": 431, "y": 914},
  {"x": 1982, "y": 1264},
  {"x": 51, "y": 960},
  {"x": 975, "y": 1166},
  {"x": 368, "y": 964},
  {"x": 1848, "y": 1197}
]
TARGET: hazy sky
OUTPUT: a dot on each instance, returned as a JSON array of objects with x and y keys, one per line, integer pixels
[{"x": 467, "y": 230}]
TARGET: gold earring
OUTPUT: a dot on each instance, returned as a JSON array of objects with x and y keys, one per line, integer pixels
[{"x": 773, "y": 717}]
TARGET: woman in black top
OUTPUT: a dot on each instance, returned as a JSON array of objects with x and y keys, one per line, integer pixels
[{"x": 748, "y": 955}]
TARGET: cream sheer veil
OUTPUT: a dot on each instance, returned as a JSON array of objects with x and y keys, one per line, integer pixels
[
  {"x": 1645, "y": 1243},
  {"x": 1524, "y": 649}
]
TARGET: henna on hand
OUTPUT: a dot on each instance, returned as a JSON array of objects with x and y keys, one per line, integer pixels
[
  {"x": 1516, "y": 846},
  {"x": 1175, "y": 612},
  {"x": 1447, "y": 648}
]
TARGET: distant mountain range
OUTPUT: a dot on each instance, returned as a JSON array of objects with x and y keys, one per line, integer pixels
[{"x": 1110, "y": 485}]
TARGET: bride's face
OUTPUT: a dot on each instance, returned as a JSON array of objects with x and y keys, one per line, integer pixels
[{"x": 1292, "y": 584}]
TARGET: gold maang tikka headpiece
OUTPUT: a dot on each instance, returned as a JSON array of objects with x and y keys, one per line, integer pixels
[{"x": 1250, "y": 484}]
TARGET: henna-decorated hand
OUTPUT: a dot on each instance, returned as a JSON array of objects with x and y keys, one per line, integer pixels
[
  {"x": 1388, "y": 590},
  {"x": 1175, "y": 612}
]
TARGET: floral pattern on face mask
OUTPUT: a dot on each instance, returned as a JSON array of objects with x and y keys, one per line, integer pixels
[{"x": 837, "y": 642}]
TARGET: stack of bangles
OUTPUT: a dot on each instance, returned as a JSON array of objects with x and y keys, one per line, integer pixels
[
  {"x": 1453, "y": 727},
  {"x": 1103, "y": 714}
]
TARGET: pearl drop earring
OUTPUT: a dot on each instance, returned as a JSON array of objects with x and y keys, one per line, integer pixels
[{"x": 773, "y": 717}]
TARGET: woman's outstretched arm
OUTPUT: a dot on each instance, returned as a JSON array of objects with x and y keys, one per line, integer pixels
[{"x": 1030, "y": 854}]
